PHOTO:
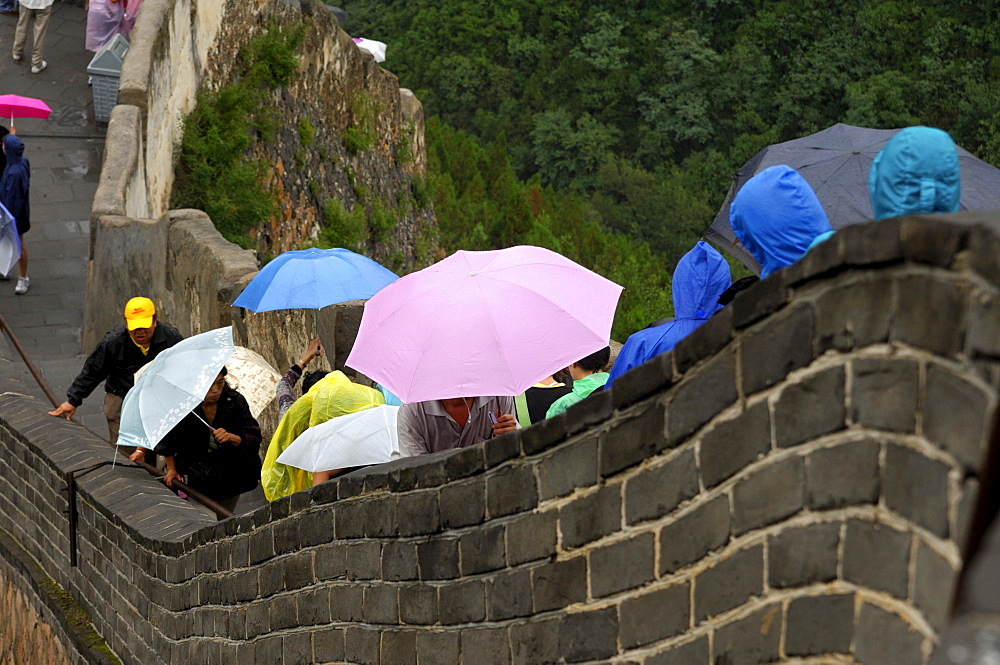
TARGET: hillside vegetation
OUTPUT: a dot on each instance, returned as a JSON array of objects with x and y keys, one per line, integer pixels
[{"x": 610, "y": 131}]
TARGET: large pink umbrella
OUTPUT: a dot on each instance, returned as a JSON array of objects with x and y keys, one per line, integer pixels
[
  {"x": 23, "y": 107},
  {"x": 483, "y": 323}
]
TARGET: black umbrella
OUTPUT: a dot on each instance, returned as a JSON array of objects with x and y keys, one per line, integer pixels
[{"x": 835, "y": 162}]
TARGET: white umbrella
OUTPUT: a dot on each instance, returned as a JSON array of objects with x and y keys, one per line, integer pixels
[
  {"x": 10, "y": 242},
  {"x": 248, "y": 374},
  {"x": 172, "y": 385},
  {"x": 356, "y": 439}
]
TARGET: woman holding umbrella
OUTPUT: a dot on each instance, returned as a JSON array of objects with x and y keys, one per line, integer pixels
[
  {"x": 215, "y": 446},
  {"x": 14, "y": 186}
]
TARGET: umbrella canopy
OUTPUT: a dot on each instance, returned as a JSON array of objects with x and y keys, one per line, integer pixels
[
  {"x": 10, "y": 242},
  {"x": 312, "y": 279},
  {"x": 23, "y": 107},
  {"x": 174, "y": 384},
  {"x": 483, "y": 323},
  {"x": 248, "y": 373},
  {"x": 357, "y": 439},
  {"x": 835, "y": 162}
]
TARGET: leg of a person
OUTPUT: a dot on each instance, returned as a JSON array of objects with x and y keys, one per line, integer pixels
[
  {"x": 113, "y": 412},
  {"x": 21, "y": 32},
  {"x": 22, "y": 263},
  {"x": 41, "y": 27}
]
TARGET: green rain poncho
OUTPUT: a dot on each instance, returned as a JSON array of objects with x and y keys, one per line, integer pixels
[{"x": 333, "y": 395}]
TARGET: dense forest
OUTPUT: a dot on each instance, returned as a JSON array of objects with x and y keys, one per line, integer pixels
[{"x": 610, "y": 131}]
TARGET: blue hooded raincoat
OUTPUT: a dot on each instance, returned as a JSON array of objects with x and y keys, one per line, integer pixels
[
  {"x": 778, "y": 218},
  {"x": 14, "y": 183},
  {"x": 699, "y": 279},
  {"x": 916, "y": 172}
]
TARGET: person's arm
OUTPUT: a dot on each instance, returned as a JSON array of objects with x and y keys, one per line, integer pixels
[
  {"x": 506, "y": 421},
  {"x": 283, "y": 391},
  {"x": 411, "y": 430},
  {"x": 94, "y": 371},
  {"x": 172, "y": 474},
  {"x": 243, "y": 428}
]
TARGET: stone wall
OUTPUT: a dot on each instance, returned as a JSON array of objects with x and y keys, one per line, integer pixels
[{"x": 793, "y": 483}]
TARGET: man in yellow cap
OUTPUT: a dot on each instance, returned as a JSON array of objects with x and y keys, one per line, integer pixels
[{"x": 116, "y": 360}]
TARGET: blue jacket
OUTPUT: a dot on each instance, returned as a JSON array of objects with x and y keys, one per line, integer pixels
[
  {"x": 777, "y": 217},
  {"x": 699, "y": 279},
  {"x": 916, "y": 172},
  {"x": 14, "y": 182}
]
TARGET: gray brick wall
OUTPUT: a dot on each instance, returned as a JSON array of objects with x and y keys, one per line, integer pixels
[{"x": 792, "y": 483}]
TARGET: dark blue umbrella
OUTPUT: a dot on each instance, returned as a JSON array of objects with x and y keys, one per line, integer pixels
[
  {"x": 312, "y": 279},
  {"x": 835, "y": 162}
]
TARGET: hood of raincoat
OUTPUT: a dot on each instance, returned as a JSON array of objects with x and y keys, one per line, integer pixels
[
  {"x": 776, "y": 216},
  {"x": 916, "y": 172},
  {"x": 699, "y": 279},
  {"x": 14, "y": 147}
]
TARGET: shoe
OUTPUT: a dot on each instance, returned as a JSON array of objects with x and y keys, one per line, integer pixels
[
  {"x": 39, "y": 68},
  {"x": 17, "y": 58},
  {"x": 22, "y": 286}
]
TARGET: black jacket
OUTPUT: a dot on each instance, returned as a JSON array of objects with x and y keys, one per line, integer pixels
[{"x": 116, "y": 360}]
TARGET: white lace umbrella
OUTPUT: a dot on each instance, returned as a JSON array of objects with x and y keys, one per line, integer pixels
[
  {"x": 172, "y": 385},
  {"x": 356, "y": 439},
  {"x": 10, "y": 242}
]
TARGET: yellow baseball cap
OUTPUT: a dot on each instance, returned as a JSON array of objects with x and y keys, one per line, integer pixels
[{"x": 139, "y": 313}]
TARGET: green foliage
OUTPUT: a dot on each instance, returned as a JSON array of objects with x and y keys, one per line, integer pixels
[
  {"x": 342, "y": 227},
  {"x": 361, "y": 135},
  {"x": 306, "y": 132},
  {"x": 213, "y": 172}
]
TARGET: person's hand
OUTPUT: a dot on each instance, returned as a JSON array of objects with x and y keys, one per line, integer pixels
[
  {"x": 138, "y": 455},
  {"x": 314, "y": 350},
  {"x": 222, "y": 436},
  {"x": 505, "y": 423},
  {"x": 170, "y": 477},
  {"x": 64, "y": 409}
]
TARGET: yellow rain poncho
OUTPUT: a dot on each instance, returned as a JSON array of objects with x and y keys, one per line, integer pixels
[{"x": 333, "y": 395}]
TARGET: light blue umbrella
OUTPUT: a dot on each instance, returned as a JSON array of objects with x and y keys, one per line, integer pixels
[
  {"x": 174, "y": 383},
  {"x": 10, "y": 242},
  {"x": 312, "y": 279}
]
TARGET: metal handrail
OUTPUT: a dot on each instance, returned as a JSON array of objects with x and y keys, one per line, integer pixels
[{"x": 212, "y": 505}]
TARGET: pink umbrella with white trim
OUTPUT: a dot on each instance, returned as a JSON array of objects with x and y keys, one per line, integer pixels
[
  {"x": 483, "y": 323},
  {"x": 23, "y": 107}
]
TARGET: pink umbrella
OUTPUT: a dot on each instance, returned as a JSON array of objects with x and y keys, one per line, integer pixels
[
  {"x": 23, "y": 107},
  {"x": 483, "y": 323}
]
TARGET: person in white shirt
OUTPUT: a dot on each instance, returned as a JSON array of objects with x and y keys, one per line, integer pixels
[{"x": 37, "y": 11}]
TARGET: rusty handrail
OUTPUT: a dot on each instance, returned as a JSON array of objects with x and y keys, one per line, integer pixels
[{"x": 212, "y": 505}]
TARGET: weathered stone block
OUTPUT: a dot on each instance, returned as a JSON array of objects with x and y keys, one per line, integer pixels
[
  {"x": 769, "y": 495},
  {"x": 608, "y": 575},
  {"x": 705, "y": 392},
  {"x": 418, "y": 604},
  {"x": 730, "y": 583},
  {"x": 364, "y": 560},
  {"x": 800, "y": 556},
  {"x": 928, "y": 239},
  {"x": 558, "y": 584},
  {"x": 877, "y": 556},
  {"x": 751, "y": 640},
  {"x": 640, "y": 382},
  {"x": 489, "y": 646},
  {"x": 535, "y": 642},
  {"x": 955, "y": 415},
  {"x": 853, "y": 315},
  {"x": 916, "y": 487},
  {"x": 709, "y": 338},
  {"x": 567, "y": 468},
  {"x": 694, "y": 652},
  {"x": 482, "y": 550},
  {"x": 508, "y": 595},
  {"x": 983, "y": 337},
  {"x": 399, "y": 561},
  {"x": 328, "y": 645},
  {"x": 284, "y": 612},
  {"x": 380, "y": 517},
  {"x": 381, "y": 604},
  {"x": 657, "y": 492},
  {"x": 361, "y": 645},
  {"x": 399, "y": 647},
  {"x": 731, "y": 445},
  {"x": 462, "y": 602},
  {"x": 543, "y": 435},
  {"x": 820, "y": 624},
  {"x": 497, "y": 450},
  {"x": 511, "y": 490},
  {"x": 930, "y": 314},
  {"x": 591, "y": 517},
  {"x": 596, "y": 408},
  {"x": 772, "y": 351},
  {"x": 696, "y": 534},
  {"x": 763, "y": 298},
  {"x": 261, "y": 545},
  {"x": 438, "y": 648},
  {"x": 885, "y": 393},
  {"x": 810, "y": 408},
  {"x": 417, "y": 513},
  {"x": 885, "y": 637},
  {"x": 314, "y": 606},
  {"x": 530, "y": 537},
  {"x": 346, "y": 602},
  {"x": 438, "y": 559},
  {"x": 463, "y": 503},
  {"x": 298, "y": 571},
  {"x": 633, "y": 440},
  {"x": 296, "y": 649},
  {"x": 842, "y": 475},
  {"x": 589, "y": 635},
  {"x": 933, "y": 586},
  {"x": 654, "y": 616}
]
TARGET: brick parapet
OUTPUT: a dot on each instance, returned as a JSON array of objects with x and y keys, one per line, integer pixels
[{"x": 782, "y": 486}]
